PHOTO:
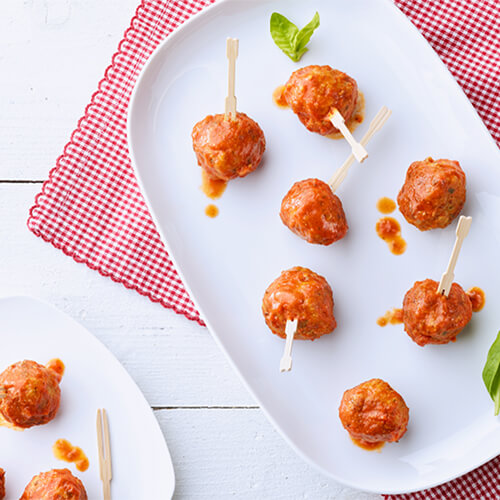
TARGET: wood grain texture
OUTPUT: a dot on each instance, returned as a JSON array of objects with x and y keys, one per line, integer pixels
[
  {"x": 212, "y": 451},
  {"x": 52, "y": 54}
]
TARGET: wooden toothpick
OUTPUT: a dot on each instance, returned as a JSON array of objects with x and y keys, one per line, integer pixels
[
  {"x": 232, "y": 54},
  {"x": 376, "y": 124},
  {"x": 104, "y": 451},
  {"x": 286, "y": 360},
  {"x": 447, "y": 279},
  {"x": 358, "y": 149}
]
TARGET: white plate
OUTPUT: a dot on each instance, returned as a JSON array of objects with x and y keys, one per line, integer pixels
[
  {"x": 228, "y": 262},
  {"x": 93, "y": 379}
]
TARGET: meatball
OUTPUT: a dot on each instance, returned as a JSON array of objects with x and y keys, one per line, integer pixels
[
  {"x": 227, "y": 148},
  {"x": 57, "y": 484},
  {"x": 312, "y": 211},
  {"x": 314, "y": 92},
  {"x": 31, "y": 395},
  {"x": 300, "y": 294},
  {"x": 2, "y": 484},
  {"x": 431, "y": 318},
  {"x": 433, "y": 193},
  {"x": 373, "y": 413}
]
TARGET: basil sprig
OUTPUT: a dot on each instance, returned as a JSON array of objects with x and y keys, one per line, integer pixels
[
  {"x": 491, "y": 373},
  {"x": 289, "y": 38}
]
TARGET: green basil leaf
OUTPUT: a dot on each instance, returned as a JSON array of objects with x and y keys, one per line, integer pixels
[
  {"x": 288, "y": 37},
  {"x": 284, "y": 32},
  {"x": 491, "y": 373},
  {"x": 305, "y": 34}
]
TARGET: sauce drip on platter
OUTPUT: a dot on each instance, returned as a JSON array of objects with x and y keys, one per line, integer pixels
[
  {"x": 389, "y": 230},
  {"x": 64, "y": 450}
]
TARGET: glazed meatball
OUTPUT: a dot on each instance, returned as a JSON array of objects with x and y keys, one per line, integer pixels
[
  {"x": 433, "y": 193},
  {"x": 312, "y": 211},
  {"x": 227, "y": 148},
  {"x": 314, "y": 92},
  {"x": 300, "y": 294},
  {"x": 373, "y": 413},
  {"x": 31, "y": 395},
  {"x": 2, "y": 484},
  {"x": 431, "y": 318},
  {"x": 57, "y": 484}
]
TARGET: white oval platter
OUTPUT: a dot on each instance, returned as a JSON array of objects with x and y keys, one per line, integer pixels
[
  {"x": 227, "y": 262},
  {"x": 142, "y": 468}
]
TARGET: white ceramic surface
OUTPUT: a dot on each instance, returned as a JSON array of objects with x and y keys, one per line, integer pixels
[
  {"x": 227, "y": 263},
  {"x": 93, "y": 379}
]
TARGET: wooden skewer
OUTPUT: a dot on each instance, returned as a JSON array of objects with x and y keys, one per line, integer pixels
[
  {"x": 447, "y": 279},
  {"x": 286, "y": 360},
  {"x": 104, "y": 449},
  {"x": 232, "y": 54},
  {"x": 376, "y": 124},
  {"x": 358, "y": 149}
]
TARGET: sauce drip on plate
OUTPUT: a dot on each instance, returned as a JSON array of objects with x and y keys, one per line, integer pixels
[
  {"x": 64, "y": 450},
  {"x": 213, "y": 188},
  {"x": 211, "y": 211},
  {"x": 279, "y": 98},
  {"x": 394, "y": 317},
  {"x": 477, "y": 298},
  {"x": 56, "y": 365},
  {"x": 386, "y": 205},
  {"x": 368, "y": 446},
  {"x": 390, "y": 231}
]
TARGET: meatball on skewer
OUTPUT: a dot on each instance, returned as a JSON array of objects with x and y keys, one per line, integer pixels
[
  {"x": 436, "y": 313},
  {"x": 302, "y": 296},
  {"x": 228, "y": 145},
  {"x": 373, "y": 414},
  {"x": 324, "y": 98},
  {"x": 433, "y": 193},
  {"x": 57, "y": 484},
  {"x": 312, "y": 210},
  {"x": 29, "y": 395}
]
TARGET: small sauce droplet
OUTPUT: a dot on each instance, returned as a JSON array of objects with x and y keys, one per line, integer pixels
[
  {"x": 211, "y": 211},
  {"x": 213, "y": 188},
  {"x": 390, "y": 231},
  {"x": 386, "y": 205},
  {"x": 279, "y": 98},
  {"x": 477, "y": 298},
  {"x": 357, "y": 117},
  {"x": 56, "y": 365},
  {"x": 368, "y": 446},
  {"x": 64, "y": 450},
  {"x": 394, "y": 317}
]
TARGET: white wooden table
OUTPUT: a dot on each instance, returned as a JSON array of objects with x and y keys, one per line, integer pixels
[{"x": 52, "y": 54}]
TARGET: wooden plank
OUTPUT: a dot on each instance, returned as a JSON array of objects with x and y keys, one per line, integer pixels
[
  {"x": 237, "y": 454},
  {"x": 52, "y": 56},
  {"x": 174, "y": 361}
]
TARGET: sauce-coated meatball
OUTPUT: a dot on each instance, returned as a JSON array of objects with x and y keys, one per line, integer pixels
[
  {"x": 32, "y": 395},
  {"x": 312, "y": 211},
  {"x": 2, "y": 484},
  {"x": 433, "y": 193},
  {"x": 373, "y": 412},
  {"x": 300, "y": 294},
  {"x": 57, "y": 484},
  {"x": 227, "y": 148},
  {"x": 431, "y": 318},
  {"x": 314, "y": 92}
]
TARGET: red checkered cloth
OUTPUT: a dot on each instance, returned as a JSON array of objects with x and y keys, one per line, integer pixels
[{"x": 91, "y": 207}]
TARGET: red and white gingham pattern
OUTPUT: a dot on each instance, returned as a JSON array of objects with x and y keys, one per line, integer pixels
[
  {"x": 466, "y": 35},
  {"x": 91, "y": 207}
]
